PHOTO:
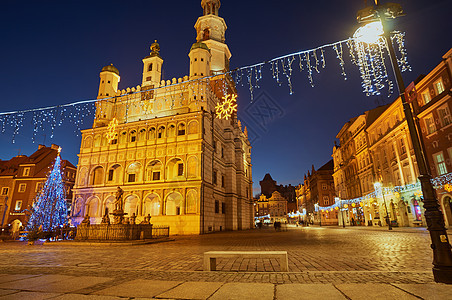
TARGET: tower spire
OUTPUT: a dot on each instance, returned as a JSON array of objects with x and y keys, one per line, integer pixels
[{"x": 210, "y": 7}]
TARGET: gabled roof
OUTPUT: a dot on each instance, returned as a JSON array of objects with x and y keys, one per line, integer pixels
[
  {"x": 329, "y": 166},
  {"x": 373, "y": 114}
]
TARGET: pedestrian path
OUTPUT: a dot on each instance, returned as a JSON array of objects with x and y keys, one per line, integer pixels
[{"x": 99, "y": 288}]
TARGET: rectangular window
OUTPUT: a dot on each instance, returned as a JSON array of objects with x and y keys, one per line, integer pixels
[
  {"x": 214, "y": 179},
  {"x": 426, "y": 96},
  {"x": 326, "y": 200},
  {"x": 444, "y": 115},
  {"x": 217, "y": 206},
  {"x": 223, "y": 207},
  {"x": 133, "y": 138},
  {"x": 110, "y": 174},
  {"x": 430, "y": 124},
  {"x": 439, "y": 87},
  {"x": 402, "y": 147},
  {"x": 18, "y": 205},
  {"x": 180, "y": 169},
  {"x": 222, "y": 180},
  {"x": 22, "y": 187},
  {"x": 38, "y": 187},
  {"x": 131, "y": 178},
  {"x": 324, "y": 186},
  {"x": 440, "y": 163},
  {"x": 156, "y": 175},
  {"x": 5, "y": 191},
  {"x": 26, "y": 172}
]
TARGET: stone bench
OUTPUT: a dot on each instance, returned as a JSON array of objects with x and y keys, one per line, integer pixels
[{"x": 210, "y": 257}]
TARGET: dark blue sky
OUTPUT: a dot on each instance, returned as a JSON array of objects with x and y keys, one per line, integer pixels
[{"x": 52, "y": 52}]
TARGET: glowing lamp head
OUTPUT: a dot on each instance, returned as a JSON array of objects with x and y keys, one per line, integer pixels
[
  {"x": 369, "y": 33},
  {"x": 377, "y": 185}
]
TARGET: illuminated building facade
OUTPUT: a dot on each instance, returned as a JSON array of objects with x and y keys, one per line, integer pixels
[{"x": 162, "y": 144}]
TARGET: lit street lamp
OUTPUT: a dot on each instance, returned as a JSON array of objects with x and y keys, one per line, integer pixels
[
  {"x": 379, "y": 188},
  {"x": 442, "y": 255}
]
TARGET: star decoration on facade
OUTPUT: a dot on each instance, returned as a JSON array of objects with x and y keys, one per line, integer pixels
[
  {"x": 226, "y": 108},
  {"x": 111, "y": 130},
  {"x": 448, "y": 187}
]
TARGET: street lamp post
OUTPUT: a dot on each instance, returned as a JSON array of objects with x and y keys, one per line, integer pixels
[
  {"x": 342, "y": 214},
  {"x": 388, "y": 220},
  {"x": 442, "y": 255}
]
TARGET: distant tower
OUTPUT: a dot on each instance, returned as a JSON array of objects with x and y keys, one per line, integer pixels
[
  {"x": 199, "y": 60},
  {"x": 109, "y": 79},
  {"x": 210, "y": 30},
  {"x": 152, "y": 66}
]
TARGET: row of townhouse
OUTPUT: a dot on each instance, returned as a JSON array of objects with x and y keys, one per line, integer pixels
[
  {"x": 21, "y": 179},
  {"x": 375, "y": 170},
  {"x": 373, "y": 177}
]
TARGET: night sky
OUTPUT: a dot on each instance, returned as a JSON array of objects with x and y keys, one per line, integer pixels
[{"x": 52, "y": 53}]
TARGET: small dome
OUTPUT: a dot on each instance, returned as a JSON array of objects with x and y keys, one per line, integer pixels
[
  {"x": 199, "y": 45},
  {"x": 110, "y": 68}
]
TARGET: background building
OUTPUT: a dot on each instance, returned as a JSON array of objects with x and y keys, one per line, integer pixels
[
  {"x": 163, "y": 145},
  {"x": 22, "y": 177}
]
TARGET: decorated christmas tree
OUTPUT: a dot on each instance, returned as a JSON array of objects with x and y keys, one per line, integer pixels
[{"x": 49, "y": 209}]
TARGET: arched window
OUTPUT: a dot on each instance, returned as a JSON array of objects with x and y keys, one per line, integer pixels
[
  {"x": 92, "y": 207},
  {"x": 152, "y": 205},
  {"x": 131, "y": 205},
  {"x": 181, "y": 129},
  {"x": 193, "y": 127},
  {"x": 133, "y": 172},
  {"x": 173, "y": 204},
  {"x": 192, "y": 202},
  {"x": 88, "y": 142},
  {"x": 123, "y": 137},
  {"x": 150, "y": 67},
  {"x": 174, "y": 169},
  {"x": 192, "y": 167},
  {"x": 171, "y": 130},
  {"x": 97, "y": 139},
  {"x": 154, "y": 170},
  {"x": 114, "y": 174},
  {"x": 97, "y": 176},
  {"x": 161, "y": 132},
  {"x": 142, "y": 135},
  {"x": 152, "y": 133},
  {"x": 82, "y": 177},
  {"x": 133, "y": 135}
]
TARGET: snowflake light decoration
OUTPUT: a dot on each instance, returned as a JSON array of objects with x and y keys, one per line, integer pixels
[
  {"x": 448, "y": 187},
  {"x": 111, "y": 130},
  {"x": 225, "y": 109}
]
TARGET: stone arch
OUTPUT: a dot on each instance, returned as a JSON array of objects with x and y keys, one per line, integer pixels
[
  {"x": 133, "y": 172},
  {"x": 92, "y": 207},
  {"x": 114, "y": 174},
  {"x": 192, "y": 167},
  {"x": 403, "y": 213},
  {"x": 131, "y": 205},
  {"x": 83, "y": 176},
  {"x": 151, "y": 205},
  {"x": 173, "y": 204},
  {"x": 77, "y": 210},
  {"x": 174, "y": 169},
  {"x": 154, "y": 170},
  {"x": 191, "y": 202},
  {"x": 88, "y": 142},
  {"x": 97, "y": 175},
  {"x": 133, "y": 135},
  {"x": 15, "y": 227},
  {"x": 193, "y": 127},
  {"x": 109, "y": 206}
]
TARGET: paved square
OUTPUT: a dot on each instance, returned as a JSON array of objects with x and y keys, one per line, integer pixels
[{"x": 139, "y": 288}]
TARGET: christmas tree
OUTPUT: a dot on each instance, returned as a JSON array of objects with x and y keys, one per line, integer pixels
[{"x": 49, "y": 207}]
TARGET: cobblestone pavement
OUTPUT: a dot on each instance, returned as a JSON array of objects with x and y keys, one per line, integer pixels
[{"x": 316, "y": 255}]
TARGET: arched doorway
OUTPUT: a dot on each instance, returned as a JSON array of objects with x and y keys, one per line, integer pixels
[
  {"x": 403, "y": 214},
  {"x": 173, "y": 204},
  {"x": 152, "y": 205},
  {"x": 447, "y": 204},
  {"x": 131, "y": 205}
]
